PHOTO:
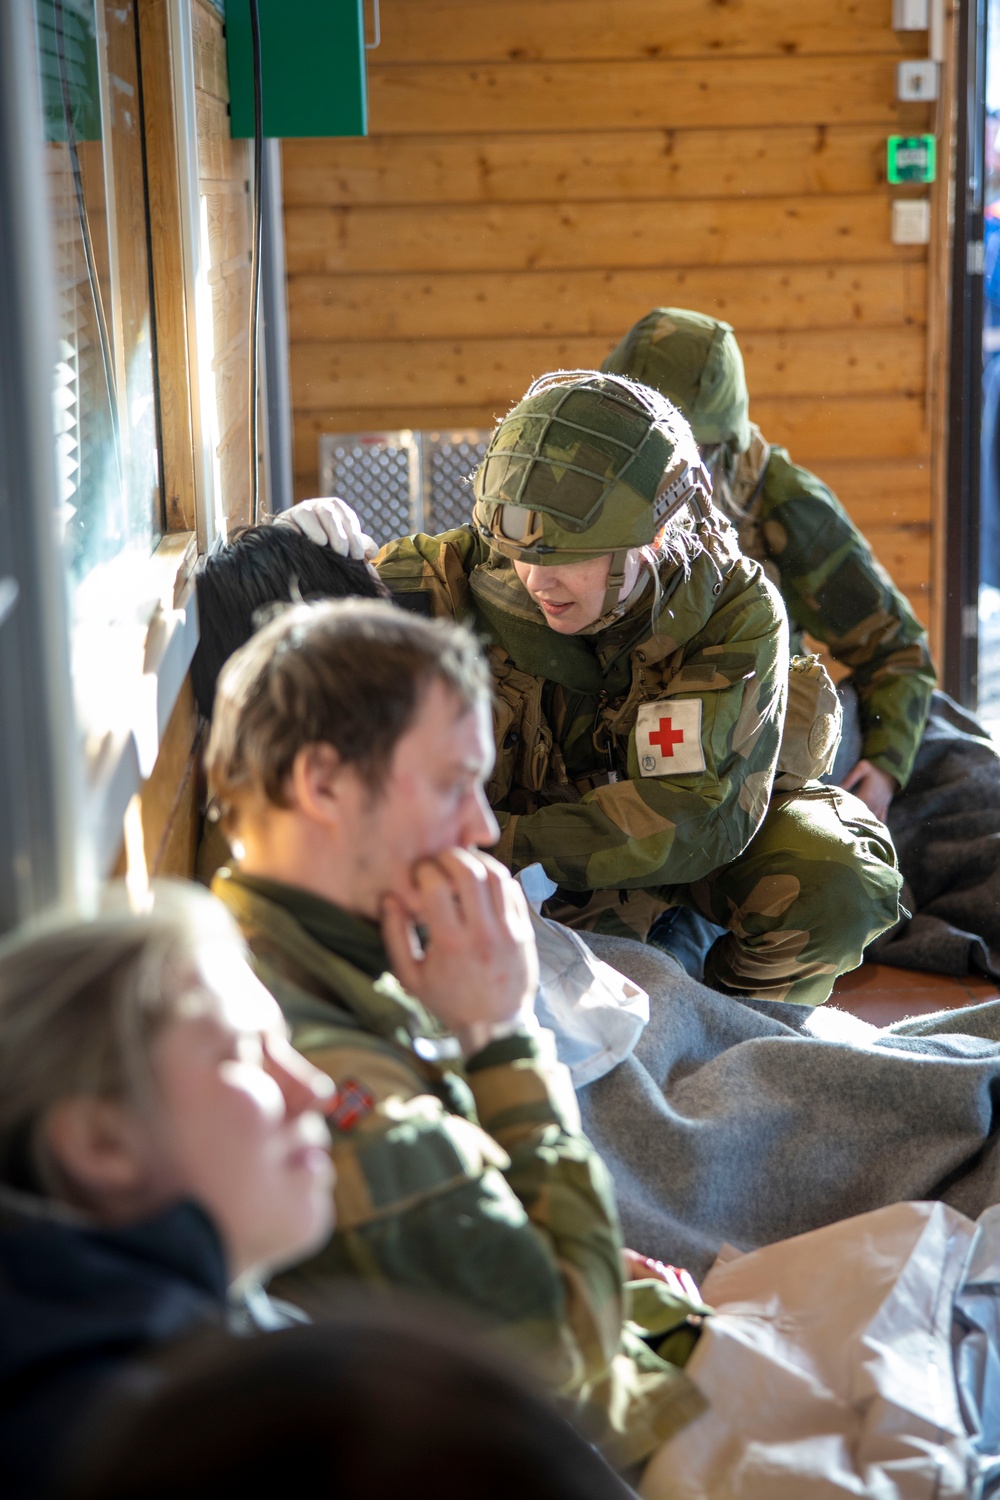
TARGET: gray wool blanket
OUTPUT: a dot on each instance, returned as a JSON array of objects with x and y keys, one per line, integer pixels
[{"x": 748, "y": 1121}]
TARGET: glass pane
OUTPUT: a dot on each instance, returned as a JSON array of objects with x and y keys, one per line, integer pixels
[
  {"x": 106, "y": 420},
  {"x": 989, "y": 534}
]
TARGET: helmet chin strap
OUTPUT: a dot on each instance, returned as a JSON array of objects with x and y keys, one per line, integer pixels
[
  {"x": 633, "y": 567},
  {"x": 626, "y": 566},
  {"x": 621, "y": 578}
]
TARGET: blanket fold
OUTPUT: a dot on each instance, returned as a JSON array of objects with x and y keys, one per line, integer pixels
[{"x": 749, "y": 1122}]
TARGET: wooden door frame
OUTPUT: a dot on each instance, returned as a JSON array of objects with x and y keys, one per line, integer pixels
[{"x": 959, "y": 512}]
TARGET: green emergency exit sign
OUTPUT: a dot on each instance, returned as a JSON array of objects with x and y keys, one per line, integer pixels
[{"x": 912, "y": 158}]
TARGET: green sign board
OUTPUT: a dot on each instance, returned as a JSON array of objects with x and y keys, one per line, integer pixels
[
  {"x": 912, "y": 158},
  {"x": 312, "y": 65}
]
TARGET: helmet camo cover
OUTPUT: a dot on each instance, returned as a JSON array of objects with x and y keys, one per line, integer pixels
[{"x": 578, "y": 468}]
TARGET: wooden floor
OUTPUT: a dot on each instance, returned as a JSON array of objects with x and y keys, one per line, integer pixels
[{"x": 881, "y": 995}]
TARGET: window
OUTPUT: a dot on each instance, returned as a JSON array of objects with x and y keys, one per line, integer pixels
[
  {"x": 107, "y": 441},
  {"x": 133, "y": 624},
  {"x": 105, "y": 397}
]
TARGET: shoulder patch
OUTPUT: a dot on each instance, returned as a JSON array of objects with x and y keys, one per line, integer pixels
[
  {"x": 353, "y": 1104},
  {"x": 668, "y": 737}
]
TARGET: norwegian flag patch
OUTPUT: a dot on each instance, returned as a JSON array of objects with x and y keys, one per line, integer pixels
[
  {"x": 668, "y": 737},
  {"x": 352, "y": 1105}
]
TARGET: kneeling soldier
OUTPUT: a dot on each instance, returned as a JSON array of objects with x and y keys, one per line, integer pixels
[
  {"x": 830, "y": 583},
  {"x": 640, "y": 668}
]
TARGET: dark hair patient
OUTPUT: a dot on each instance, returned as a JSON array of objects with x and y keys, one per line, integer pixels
[{"x": 258, "y": 566}]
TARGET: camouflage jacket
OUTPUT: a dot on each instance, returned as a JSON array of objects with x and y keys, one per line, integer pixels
[
  {"x": 471, "y": 1182},
  {"x": 834, "y": 589},
  {"x": 638, "y": 758}
]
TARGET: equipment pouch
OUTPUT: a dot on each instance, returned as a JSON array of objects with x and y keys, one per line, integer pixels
[
  {"x": 523, "y": 737},
  {"x": 813, "y": 719}
]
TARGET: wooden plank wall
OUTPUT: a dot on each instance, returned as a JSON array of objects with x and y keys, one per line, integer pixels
[
  {"x": 542, "y": 172},
  {"x": 224, "y": 174}
]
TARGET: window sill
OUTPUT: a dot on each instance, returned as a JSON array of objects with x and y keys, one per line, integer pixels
[{"x": 145, "y": 661}]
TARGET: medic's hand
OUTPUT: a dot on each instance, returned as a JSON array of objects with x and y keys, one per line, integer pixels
[
  {"x": 641, "y": 1268},
  {"x": 875, "y": 788},
  {"x": 478, "y": 968},
  {"x": 330, "y": 522}
]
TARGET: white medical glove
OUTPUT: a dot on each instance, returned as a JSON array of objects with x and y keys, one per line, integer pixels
[{"x": 330, "y": 522}]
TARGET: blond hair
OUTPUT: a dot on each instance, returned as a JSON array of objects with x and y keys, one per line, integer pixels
[{"x": 81, "y": 1006}]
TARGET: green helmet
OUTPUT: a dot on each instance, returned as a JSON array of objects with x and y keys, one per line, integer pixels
[
  {"x": 585, "y": 465},
  {"x": 696, "y": 363}
]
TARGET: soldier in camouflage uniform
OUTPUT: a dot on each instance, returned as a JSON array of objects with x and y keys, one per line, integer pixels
[
  {"x": 786, "y": 518},
  {"x": 637, "y": 746},
  {"x": 347, "y": 752}
]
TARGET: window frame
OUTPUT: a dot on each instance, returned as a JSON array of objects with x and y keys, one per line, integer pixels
[
  {"x": 45, "y": 863},
  {"x": 129, "y": 750},
  {"x": 62, "y": 813}
]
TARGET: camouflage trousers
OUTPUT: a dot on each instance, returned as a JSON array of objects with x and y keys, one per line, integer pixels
[{"x": 816, "y": 884}]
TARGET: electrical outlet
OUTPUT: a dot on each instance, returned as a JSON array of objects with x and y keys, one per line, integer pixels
[
  {"x": 917, "y": 80},
  {"x": 911, "y": 221},
  {"x": 911, "y": 15}
]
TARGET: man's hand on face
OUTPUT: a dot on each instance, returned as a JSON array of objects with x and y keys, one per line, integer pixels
[
  {"x": 478, "y": 969},
  {"x": 876, "y": 788}
]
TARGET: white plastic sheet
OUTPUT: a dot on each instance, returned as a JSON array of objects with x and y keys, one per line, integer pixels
[{"x": 595, "y": 1013}]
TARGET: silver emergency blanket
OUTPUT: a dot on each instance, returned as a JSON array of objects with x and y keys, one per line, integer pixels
[{"x": 848, "y": 1362}]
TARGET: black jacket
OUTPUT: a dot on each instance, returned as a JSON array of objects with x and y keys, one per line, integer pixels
[{"x": 80, "y": 1307}]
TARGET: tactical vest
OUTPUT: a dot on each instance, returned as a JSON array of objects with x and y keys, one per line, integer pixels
[
  {"x": 531, "y": 768},
  {"x": 564, "y": 706}
]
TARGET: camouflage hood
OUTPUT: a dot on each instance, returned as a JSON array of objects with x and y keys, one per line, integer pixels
[{"x": 696, "y": 363}]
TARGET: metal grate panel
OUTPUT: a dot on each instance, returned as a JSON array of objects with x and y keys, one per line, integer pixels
[
  {"x": 449, "y": 461},
  {"x": 403, "y": 481},
  {"x": 378, "y": 474}
]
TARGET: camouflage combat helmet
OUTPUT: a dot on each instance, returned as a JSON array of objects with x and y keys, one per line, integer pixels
[
  {"x": 696, "y": 363},
  {"x": 586, "y": 464}
]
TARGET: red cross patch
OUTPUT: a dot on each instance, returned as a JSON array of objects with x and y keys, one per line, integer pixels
[
  {"x": 668, "y": 737},
  {"x": 352, "y": 1104}
]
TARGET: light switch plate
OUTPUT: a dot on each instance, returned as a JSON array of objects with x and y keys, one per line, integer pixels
[
  {"x": 911, "y": 15},
  {"x": 911, "y": 221},
  {"x": 916, "y": 81}
]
